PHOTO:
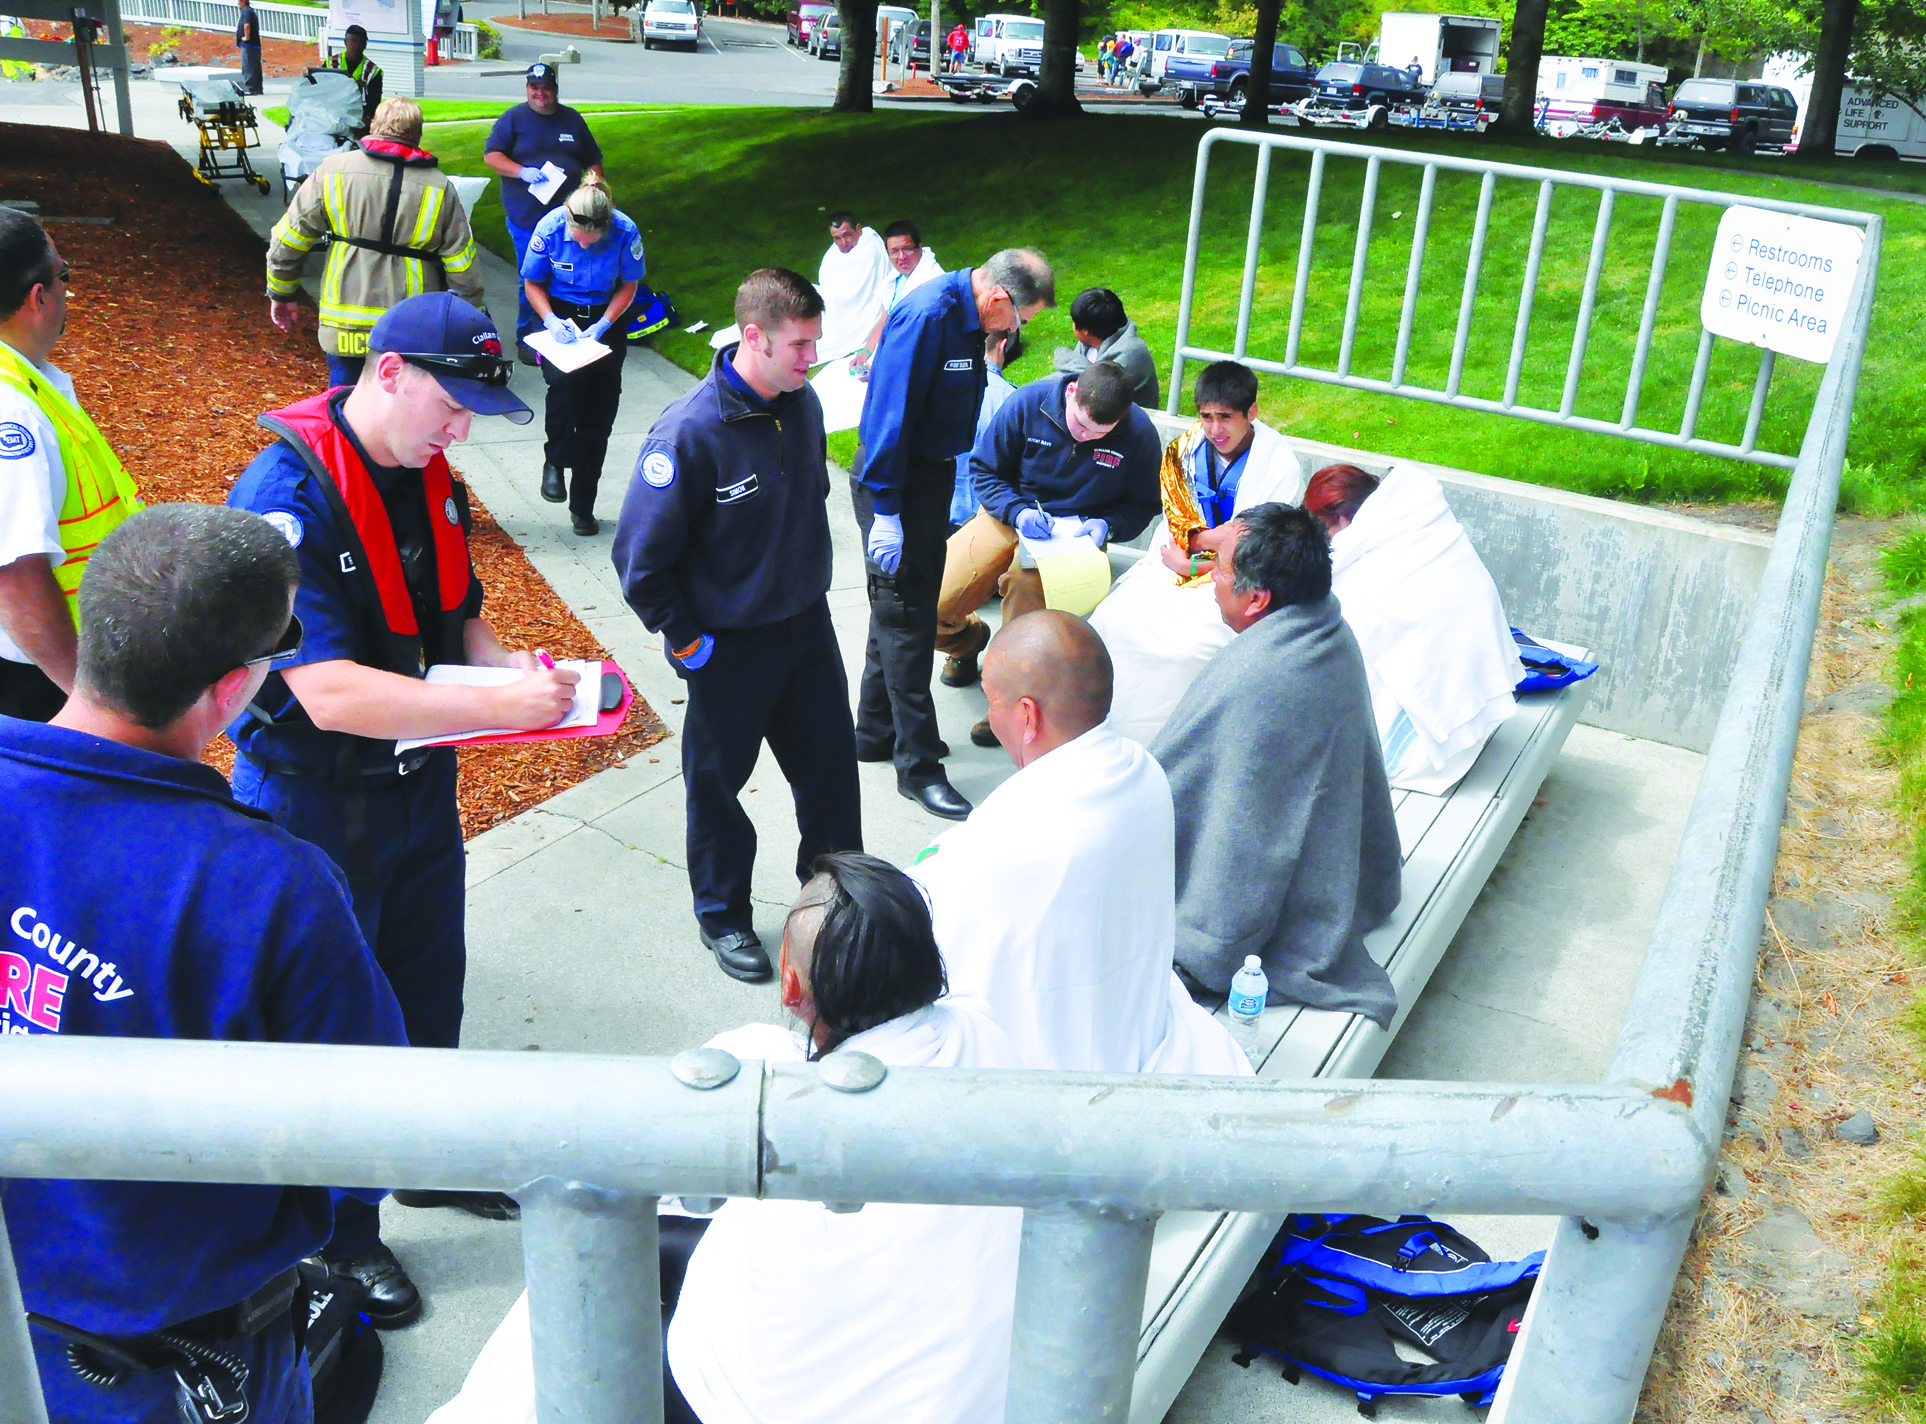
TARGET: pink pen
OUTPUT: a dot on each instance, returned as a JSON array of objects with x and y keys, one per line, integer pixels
[{"x": 542, "y": 657}]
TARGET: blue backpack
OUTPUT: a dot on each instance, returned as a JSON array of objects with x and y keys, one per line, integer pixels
[
  {"x": 1546, "y": 670},
  {"x": 1335, "y": 1294}
]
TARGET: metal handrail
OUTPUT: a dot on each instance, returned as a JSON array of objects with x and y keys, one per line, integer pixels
[
  {"x": 1686, "y": 437},
  {"x": 589, "y": 1144}
]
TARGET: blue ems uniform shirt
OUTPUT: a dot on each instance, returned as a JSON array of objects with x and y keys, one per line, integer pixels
[
  {"x": 532, "y": 139},
  {"x": 925, "y": 385},
  {"x": 726, "y": 521},
  {"x": 587, "y": 276},
  {"x": 1029, "y": 458},
  {"x": 333, "y": 605},
  {"x": 139, "y": 900}
]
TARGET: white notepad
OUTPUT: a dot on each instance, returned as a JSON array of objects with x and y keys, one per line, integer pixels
[
  {"x": 583, "y": 712},
  {"x": 565, "y": 355},
  {"x": 541, "y": 192}
]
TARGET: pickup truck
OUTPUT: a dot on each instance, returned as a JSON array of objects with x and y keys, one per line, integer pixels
[{"x": 1227, "y": 79}]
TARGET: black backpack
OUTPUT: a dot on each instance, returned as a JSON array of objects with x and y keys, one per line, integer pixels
[
  {"x": 1334, "y": 1294},
  {"x": 344, "y": 1352}
]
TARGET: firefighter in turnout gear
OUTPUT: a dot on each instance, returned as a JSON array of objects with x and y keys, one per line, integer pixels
[
  {"x": 359, "y": 483},
  {"x": 354, "y": 62},
  {"x": 399, "y": 230}
]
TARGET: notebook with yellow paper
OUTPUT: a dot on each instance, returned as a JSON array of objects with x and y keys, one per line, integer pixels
[{"x": 1075, "y": 572}]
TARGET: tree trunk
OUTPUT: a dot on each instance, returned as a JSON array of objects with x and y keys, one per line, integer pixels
[
  {"x": 1698, "y": 65},
  {"x": 1641, "y": 37},
  {"x": 1819, "y": 138},
  {"x": 1056, "y": 95},
  {"x": 1521, "y": 67},
  {"x": 1257, "y": 98},
  {"x": 856, "y": 76}
]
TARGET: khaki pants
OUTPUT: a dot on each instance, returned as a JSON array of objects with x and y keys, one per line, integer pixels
[{"x": 981, "y": 559}]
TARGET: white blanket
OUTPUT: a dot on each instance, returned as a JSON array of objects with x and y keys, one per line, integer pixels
[
  {"x": 792, "y": 1314},
  {"x": 1055, "y": 904},
  {"x": 1438, "y": 652},
  {"x": 854, "y": 287},
  {"x": 1161, "y": 635}
]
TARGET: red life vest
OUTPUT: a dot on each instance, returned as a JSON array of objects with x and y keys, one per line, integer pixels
[{"x": 407, "y": 648}]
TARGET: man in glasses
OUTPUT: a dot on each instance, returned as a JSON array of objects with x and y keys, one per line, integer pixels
[
  {"x": 926, "y": 382},
  {"x": 142, "y": 901},
  {"x": 62, "y": 489},
  {"x": 359, "y": 484}
]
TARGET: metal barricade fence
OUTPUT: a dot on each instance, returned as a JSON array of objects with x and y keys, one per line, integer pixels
[{"x": 590, "y": 1144}]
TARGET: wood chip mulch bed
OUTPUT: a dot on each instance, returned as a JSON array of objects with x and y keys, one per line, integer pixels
[
  {"x": 280, "y": 59},
  {"x": 610, "y": 29},
  {"x": 170, "y": 348}
]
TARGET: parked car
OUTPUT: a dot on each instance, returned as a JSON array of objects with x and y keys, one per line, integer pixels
[
  {"x": 1009, "y": 44},
  {"x": 826, "y": 39},
  {"x": 671, "y": 22},
  {"x": 804, "y": 17},
  {"x": 910, "y": 44},
  {"x": 1166, "y": 45},
  {"x": 1359, "y": 91},
  {"x": 1196, "y": 79},
  {"x": 1735, "y": 114},
  {"x": 1469, "y": 94}
]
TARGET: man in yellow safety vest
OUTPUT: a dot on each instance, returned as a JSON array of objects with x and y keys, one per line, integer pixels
[{"x": 62, "y": 489}]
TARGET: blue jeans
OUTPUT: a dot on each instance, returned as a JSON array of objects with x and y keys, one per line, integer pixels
[{"x": 524, "y": 313}]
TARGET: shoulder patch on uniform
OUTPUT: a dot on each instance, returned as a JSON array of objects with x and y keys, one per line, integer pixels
[
  {"x": 448, "y": 510},
  {"x": 658, "y": 469},
  {"x": 289, "y": 525},
  {"x": 536, "y": 244},
  {"x": 16, "y": 441},
  {"x": 635, "y": 248}
]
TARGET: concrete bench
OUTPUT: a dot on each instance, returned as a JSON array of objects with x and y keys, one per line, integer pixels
[{"x": 1201, "y": 1260}]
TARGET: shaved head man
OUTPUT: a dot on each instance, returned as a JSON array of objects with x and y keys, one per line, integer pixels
[
  {"x": 1055, "y": 903},
  {"x": 1047, "y": 675}
]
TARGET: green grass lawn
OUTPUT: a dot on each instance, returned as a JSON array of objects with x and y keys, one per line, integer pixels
[
  {"x": 451, "y": 111},
  {"x": 720, "y": 191}
]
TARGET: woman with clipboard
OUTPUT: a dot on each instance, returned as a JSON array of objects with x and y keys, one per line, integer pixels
[{"x": 580, "y": 274}]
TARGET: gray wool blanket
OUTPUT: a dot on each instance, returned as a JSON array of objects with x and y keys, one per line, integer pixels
[{"x": 1287, "y": 846}]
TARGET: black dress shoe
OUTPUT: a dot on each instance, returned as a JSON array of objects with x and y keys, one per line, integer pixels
[
  {"x": 585, "y": 524},
  {"x": 392, "y": 1300},
  {"x": 939, "y": 798},
  {"x": 554, "y": 490},
  {"x": 888, "y": 750},
  {"x": 982, "y": 736},
  {"x": 492, "y": 1206},
  {"x": 739, "y": 953}
]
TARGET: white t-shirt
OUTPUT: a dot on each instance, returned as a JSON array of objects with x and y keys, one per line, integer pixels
[{"x": 33, "y": 482}]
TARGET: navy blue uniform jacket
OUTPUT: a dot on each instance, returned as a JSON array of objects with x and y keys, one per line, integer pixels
[
  {"x": 925, "y": 385},
  {"x": 726, "y": 522},
  {"x": 1027, "y": 458},
  {"x": 139, "y": 900}
]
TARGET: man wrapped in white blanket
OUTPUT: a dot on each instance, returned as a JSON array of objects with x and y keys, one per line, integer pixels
[
  {"x": 790, "y": 1313},
  {"x": 1438, "y": 651}
]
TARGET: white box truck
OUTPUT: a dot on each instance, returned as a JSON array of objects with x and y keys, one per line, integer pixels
[{"x": 1439, "y": 44}]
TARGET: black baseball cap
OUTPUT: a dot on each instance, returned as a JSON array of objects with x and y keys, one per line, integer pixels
[
  {"x": 456, "y": 344},
  {"x": 541, "y": 74}
]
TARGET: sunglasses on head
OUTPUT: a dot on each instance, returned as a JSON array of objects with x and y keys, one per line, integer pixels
[
  {"x": 286, "y": 647},
  {"x": 489, "y": 370}
]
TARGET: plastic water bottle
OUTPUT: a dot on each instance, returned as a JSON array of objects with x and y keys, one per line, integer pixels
[{"x": 1248, "y": 990}]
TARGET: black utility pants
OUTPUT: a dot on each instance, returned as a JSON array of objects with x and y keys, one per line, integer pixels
[
  {"x": 893, "y": 707},
  {"x": 580, "y": 412},
  {"x": 782, "y": 683}
]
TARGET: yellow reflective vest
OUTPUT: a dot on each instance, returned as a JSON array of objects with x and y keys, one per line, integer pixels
[{"x": 100, "y": 494}]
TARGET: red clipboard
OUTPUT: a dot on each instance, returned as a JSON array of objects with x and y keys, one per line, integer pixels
[{"x": 606, "y": 725}]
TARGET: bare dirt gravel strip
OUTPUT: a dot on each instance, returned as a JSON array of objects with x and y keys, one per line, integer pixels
[
  {"x": 171, "y": 352},
  {"x": 583, "y": 25},
  {"x": 1789, "y": 1249},
  {"x": 280, "y": 59}
]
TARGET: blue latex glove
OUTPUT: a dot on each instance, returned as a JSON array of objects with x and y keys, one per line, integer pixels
[
  {"x": 562, "y": 330},
  {"x": 597, "y": 328},
  {"x": 886, "y": 542},
  {"x": 1034, "y": 524},
  {"x": 705, "y": 645},
  {"x": 1097, "y": 529},
  {"x": 531, "y": 176}
]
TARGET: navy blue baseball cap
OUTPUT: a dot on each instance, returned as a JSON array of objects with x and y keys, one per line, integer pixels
[
  {"x": 542, "y": 74},
  {"x": 458, "y": 345}
]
